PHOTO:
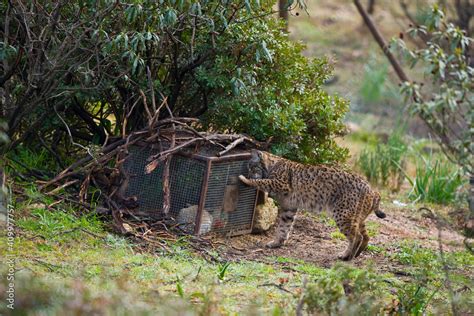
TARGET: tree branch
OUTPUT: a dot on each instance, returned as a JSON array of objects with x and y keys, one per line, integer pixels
[{"x": 380, "y": 40}]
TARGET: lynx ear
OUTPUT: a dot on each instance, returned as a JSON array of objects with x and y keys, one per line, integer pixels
[{"x": 255, "y": 155}]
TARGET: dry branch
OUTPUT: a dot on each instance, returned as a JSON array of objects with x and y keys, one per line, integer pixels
[
  {"x": 232, "y": 145},
  {"x": 300, "y": 306}
]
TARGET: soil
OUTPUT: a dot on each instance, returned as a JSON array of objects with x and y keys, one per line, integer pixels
[{"x": 311, "y": 240}]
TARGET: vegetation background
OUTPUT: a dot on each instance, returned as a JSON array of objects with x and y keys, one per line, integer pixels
[{"x": 77, "y": 73}]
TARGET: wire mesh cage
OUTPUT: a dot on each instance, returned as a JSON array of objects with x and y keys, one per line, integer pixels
[{"x": 205, "y": 193}]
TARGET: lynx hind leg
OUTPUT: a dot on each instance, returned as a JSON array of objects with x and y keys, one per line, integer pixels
[
  {"x": 367, "y": 207},
  {"x": 286, "y": 218},
  {"x": 353, "y": 235},
  {"x": 365, "y": 239}
]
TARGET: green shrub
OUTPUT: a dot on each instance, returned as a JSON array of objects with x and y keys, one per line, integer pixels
[
  {"x": 414, "y": 299},
  {"x": 345, "y": 291},
  {"x": 385, "y": 161},
  {"x": 364, "y": 137},
  {"x": 228, "y": 64},
  {"x": 278, "y": 94},
  {"x": 373, "y": 82},
  {"x": 445, "y": 105},
  {"x": 436, "y": 181}
]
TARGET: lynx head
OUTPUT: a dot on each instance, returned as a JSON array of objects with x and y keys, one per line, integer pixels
[{"x": 260, "y": 164}]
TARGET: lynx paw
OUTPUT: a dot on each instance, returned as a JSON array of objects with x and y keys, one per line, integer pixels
[
  {"x": 345, "y": 257},
  {"x": 243, "y": 179},
  {"x": 274, "y": 244}
]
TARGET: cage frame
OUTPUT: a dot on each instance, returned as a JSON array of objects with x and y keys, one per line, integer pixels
[
  {"x": 209, "y": 161},
  {"x": 205, "y": 185}
]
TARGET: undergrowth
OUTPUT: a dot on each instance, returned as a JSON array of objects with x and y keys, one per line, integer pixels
[
  {"x": 70, "y": 262},
  {"x": 384, "y": 162},
  {"x": 435, "y": 181}
]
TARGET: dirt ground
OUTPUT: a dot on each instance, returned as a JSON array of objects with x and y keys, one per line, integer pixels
[{"x": 312, "y": 242}]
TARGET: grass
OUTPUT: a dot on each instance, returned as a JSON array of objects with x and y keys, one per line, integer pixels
[
  {"x": 323, "y": 218},
  {"x": 74, "y": 270},
  {"x": 337, "y": 235},
  {"x": 67, "y": 262},
  {"x": 373, "y": 228},
  {"x": 365, "y": 137},
  {"x": 435, "y": 181},
  {"x": 384, "y": 162},
  {"x": 416, "y": 256},
  {"x": 426, "y": 290},
  {"x": 374, "y": 80},
  {"x": 347, "y": 291},
  {"x": 72, "y": 262}
]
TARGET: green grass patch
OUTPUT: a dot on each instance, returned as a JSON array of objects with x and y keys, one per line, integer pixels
[
  {"x": 69, "y": 265},
  {"x": 436, "y": 181},
  {"x": 59, "y": 225},
  {"x": 364, "y": 137},
  {"x": 373, "y": 228},
  {"x": 416, "y": 256},
  {"x": 383, "y": 164},
  {"x": 338, "y": 235},
  {"x": 375, "y": 249},
  {"x": 323, "y": 218}
]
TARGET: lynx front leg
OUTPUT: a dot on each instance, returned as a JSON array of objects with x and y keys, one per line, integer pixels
[{"x": 286, "y": 219}]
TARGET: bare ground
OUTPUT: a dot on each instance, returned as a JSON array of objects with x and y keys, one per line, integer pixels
[{"x": 311, "y": 240}]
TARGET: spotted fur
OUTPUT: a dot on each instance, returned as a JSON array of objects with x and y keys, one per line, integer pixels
[{"x": 296, "y": 186}]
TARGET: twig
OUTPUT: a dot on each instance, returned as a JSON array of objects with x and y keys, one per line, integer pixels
[
  {"x": 39, "y": 174},
  {"x": 278, "y": 286},
  {"x": 232, "y": 145},
  {"x": 52, "y": 152},
  {"x": 145, "y": 105},
  {"x": 166, "y": 168},
  {"x": 48, "y": 265},
  {"x": 65, "y": 185},
  {"x": 70, "y": 134},
  {"x": 299, "y": 307},
  {"x": 97, "y": 209}
]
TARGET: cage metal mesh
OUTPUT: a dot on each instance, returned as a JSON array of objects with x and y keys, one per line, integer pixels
[
  {"x": 186, "y": 180},
  {"x": 239, "y": 219},
  {"x": 186, "y": 177}
]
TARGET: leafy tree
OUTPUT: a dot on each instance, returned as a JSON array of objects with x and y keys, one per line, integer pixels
[
  {"x": 446, "y": 104},
  {"x": 275, "y": 92}
]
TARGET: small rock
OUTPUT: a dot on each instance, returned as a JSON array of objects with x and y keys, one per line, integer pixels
[
  {"x": 266, "y": 214},
  {"x": 398, "y": 203}
]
